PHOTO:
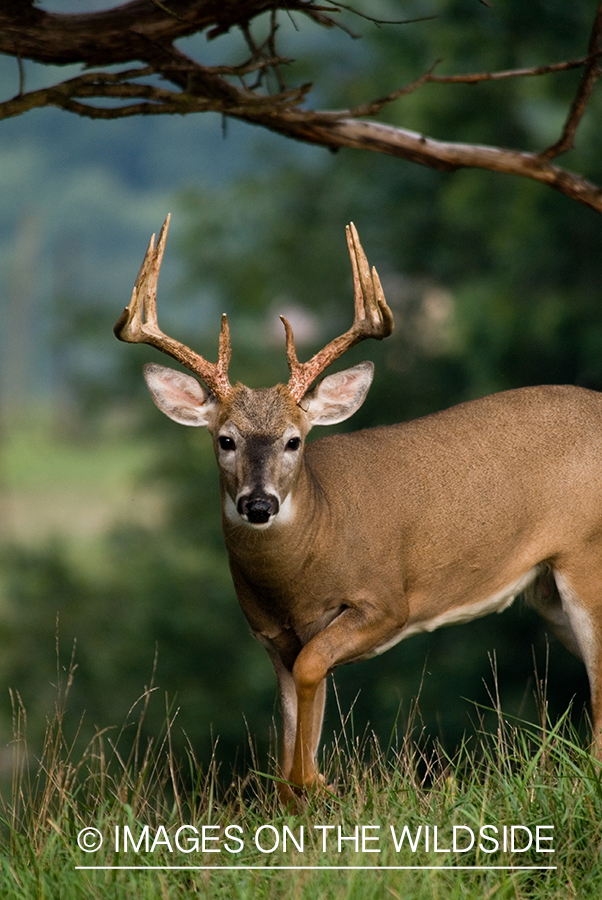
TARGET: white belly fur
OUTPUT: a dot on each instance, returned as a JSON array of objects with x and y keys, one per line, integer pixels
[{"x": 497, "y": 603}]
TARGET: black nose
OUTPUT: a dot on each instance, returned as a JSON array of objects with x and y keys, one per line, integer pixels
[{"x": 258, "y": 509}]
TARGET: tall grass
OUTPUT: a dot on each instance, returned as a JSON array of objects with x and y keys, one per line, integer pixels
[{"x": 517, "y": 775}]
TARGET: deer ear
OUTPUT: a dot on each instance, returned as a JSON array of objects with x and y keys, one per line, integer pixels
[
  {"x": 338, "y": 396},
  {"x": 179, "y": 396}
]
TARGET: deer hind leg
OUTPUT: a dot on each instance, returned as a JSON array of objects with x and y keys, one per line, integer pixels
[{"x": 577, "y": 621}]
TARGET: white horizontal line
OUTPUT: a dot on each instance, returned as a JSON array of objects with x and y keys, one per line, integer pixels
[{"x": 305, "y": 868}]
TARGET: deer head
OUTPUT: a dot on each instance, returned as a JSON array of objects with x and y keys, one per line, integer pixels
[{"x": 258, "y": 434}]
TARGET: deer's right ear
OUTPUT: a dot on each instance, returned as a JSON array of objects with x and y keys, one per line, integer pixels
[{"x": 179, "y": 396}]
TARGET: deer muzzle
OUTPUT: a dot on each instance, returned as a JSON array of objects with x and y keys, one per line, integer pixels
[{"x": 258, "y": 508}]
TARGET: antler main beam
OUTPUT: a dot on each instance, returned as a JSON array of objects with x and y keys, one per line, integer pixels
[
  {"x": 138, "y": 324},
  {"x": 372, "y": 319}
]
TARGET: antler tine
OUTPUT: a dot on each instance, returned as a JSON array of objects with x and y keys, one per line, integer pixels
[
  {"x": 138, "y": 324},
  {"x": 372, "y": 319}
]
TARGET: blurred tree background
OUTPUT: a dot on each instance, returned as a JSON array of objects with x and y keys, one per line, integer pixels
[{"x": 494, "y": 282}]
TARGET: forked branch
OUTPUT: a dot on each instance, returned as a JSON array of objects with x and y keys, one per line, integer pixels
[{"x": 579, "y": 105}]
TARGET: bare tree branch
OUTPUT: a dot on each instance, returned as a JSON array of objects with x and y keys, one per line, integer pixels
[
  {"x": 123, "y": 33},
  {"x": 446, "y": 156},
  {"x": 590, "y": 76},
  {"x": 478, "y": 77},
  {"x": 144, "y": 31}
]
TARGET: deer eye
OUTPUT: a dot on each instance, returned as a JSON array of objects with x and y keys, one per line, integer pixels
[
  {"x": 293, "y": 444},
  {"x": 226, "y": 443}
]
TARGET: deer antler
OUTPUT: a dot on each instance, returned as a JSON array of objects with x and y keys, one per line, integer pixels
[
  {"x": 138, "y": 324},
  {"x": 372, "y": 319}
]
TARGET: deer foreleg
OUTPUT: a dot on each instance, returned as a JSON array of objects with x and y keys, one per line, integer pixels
[
  {"x": 288, "y": 710},
  {"x": 351, "y": 635},
  {"x": 288, "y": 707}
]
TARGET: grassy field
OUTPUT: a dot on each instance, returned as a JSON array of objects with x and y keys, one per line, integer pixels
[
  {"x": 52, "y": 486},
  {"x": 516, "y": 813}
]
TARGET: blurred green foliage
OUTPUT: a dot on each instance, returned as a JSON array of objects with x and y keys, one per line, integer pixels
[{"x": 495, "y": 283}]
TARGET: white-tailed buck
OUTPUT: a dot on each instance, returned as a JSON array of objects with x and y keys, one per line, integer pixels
[{"x": 340, "y": 549}]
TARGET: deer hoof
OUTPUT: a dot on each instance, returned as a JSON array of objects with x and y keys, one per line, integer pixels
[{"x": 296, "y": 797}]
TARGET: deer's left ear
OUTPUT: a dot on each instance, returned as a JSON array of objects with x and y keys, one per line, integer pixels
[{"x": 338, "y": 396}]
